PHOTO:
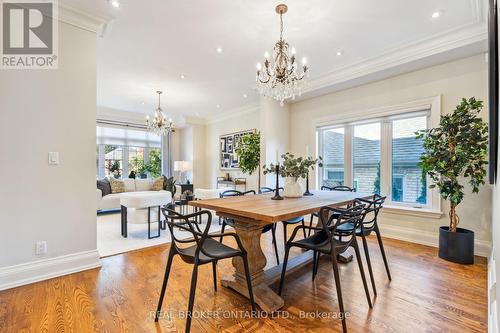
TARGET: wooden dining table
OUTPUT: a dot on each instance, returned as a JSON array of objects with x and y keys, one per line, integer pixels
[{"x": 251, "y": 213}]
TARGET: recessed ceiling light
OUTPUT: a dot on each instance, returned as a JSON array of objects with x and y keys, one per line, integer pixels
[
  {"x": 142, "y": 102},
  {"x": 218, "y": 106},
  {"x": 219, "y": 50},
  {"x": 437, "y": 14},
  {"x": 183, "y": 76},
  {"x": 340, "y": 52},
  {"x": 115, "y": 4},
  {"x": 245, "y": 95}
]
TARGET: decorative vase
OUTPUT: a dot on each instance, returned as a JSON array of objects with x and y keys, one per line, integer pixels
[{"x": 293, "y": 189}]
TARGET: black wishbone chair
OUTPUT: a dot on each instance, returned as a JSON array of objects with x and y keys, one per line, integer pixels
[
  {"x": 205, "y": 250},
  {"x": 324, "y": 241},
  {"x": 295, "y": 220},
  {"x": 268, "y": 227},
  {"x": 328, "y": 188},
  {"x": 369, "y": 225}
]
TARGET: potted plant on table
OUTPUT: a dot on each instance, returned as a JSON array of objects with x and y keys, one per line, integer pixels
[
  {"x": 249, "y": 154},
  {"x": 456, "y": 152},
  {"x": 292, "y": 169}
]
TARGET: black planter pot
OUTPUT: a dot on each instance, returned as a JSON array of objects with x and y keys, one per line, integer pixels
[{"x": 456, "y": 246}]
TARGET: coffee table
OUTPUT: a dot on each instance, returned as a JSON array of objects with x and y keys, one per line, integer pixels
[{"x": 142, "y": 202}]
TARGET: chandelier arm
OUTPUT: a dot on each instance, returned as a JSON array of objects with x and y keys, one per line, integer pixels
[{"x": 264, "y": 81}]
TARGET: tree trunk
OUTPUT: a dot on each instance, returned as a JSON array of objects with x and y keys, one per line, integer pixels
[
  {"x": 453, "y": 218},
  {"x": 258, "y": 189}
]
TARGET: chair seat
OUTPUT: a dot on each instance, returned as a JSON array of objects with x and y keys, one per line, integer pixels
[
  {"x": 319, "y": 242},
  {"x": 215, "y": 248},
  {"x": 294, "y": 220},
  {"x": 347, "y": 228}
]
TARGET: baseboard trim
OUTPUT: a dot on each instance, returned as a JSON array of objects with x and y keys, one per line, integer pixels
[
  {"x": 22, "y": 274},
  {"x": 481, "y": 248}
]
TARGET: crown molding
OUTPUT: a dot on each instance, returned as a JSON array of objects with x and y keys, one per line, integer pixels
[
  {"x": 234, "y": 113},
  {"x": 93, "y": 22}
]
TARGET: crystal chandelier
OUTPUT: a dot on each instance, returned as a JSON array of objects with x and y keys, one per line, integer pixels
[
  {"x": 159, "y": 125},
  {"x": 281, "y": 80}
]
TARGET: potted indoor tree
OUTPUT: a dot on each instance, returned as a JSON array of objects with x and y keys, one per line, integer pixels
[
  {"x": 249, "y": 154},
  {"x": 292, "y": 169},
  {"x": 456, "y": 152}
]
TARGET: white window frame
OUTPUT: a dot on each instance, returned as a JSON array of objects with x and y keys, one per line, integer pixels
[{"x": 430, "y": 105}]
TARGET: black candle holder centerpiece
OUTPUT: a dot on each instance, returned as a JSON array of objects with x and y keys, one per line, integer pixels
[
  {"x": 307, "y": 193},
  {"x": 277, "y": 195}
]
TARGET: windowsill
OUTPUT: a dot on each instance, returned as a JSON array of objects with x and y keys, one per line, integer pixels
[{"x": 411, "y": 211}]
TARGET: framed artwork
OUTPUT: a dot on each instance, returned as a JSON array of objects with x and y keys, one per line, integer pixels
[
  {"x": 228, "y": 145},
  {"x": 493, "y": 90}
]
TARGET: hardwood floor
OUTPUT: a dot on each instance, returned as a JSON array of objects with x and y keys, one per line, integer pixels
[{"x": 426, "y": 294}]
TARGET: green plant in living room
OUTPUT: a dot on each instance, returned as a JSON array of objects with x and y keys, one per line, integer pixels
[
  {"x": 456, "y": 152},
  {"x": 249, "y": 154},
  {"x": 292, "y": 169},
  {"x": 295, "y": 167}
]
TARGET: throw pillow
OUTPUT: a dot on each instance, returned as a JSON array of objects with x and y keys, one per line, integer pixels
[
  {"x": 117, "y": 186},
  {"x": 104, "y": 186},
  {"x": 157, "y": 184}
]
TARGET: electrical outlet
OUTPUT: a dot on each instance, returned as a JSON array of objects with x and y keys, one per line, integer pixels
[{"x": 41, "y": 248}]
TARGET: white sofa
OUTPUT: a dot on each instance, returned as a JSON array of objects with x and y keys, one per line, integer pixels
[{"x": 112, "y": 201}]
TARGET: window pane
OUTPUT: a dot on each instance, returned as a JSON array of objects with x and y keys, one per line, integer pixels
[
  {"x": 136, "y": 165},
  {"x": 333, "y": 157},
  {"x": 366, "y": 158},
  {"x": 154, "y": 162},
  {"x": 408, "y": 181},
  {"x": 113, "y": 161}
]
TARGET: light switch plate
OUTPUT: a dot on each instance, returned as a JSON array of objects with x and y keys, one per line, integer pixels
[{"x": 53, "y": 158}]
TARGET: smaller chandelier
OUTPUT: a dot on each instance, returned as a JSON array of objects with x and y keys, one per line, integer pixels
[
  {"x": 159, "y": 125},
  {"x": 282, "y": 79}
]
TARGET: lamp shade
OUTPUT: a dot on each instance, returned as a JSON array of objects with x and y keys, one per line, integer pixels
[{"x": 183, "y": 166}]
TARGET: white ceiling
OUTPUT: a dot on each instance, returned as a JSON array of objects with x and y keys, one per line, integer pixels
[{"x": 150, "y": 43}]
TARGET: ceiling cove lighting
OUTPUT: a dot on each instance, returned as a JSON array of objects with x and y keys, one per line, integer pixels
[
  {"x": 281, "y": 79},
  {"x": 159, "y": 125}
]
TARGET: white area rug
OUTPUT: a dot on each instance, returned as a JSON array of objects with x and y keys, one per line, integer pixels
[{"x": 111, "y": 242}]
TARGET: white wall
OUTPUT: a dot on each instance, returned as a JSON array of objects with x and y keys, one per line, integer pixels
[
  {"x": 42, "y": 111},
  {"x": 239, "y": 122},
  {"x": 275, "y": 124},
  {"x": 454, "y": 80}
]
